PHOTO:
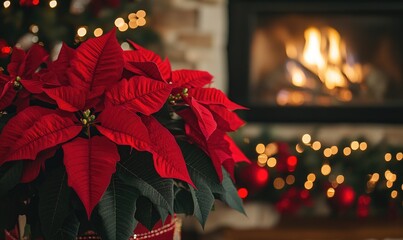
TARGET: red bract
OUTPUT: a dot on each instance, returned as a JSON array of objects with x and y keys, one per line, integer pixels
[
  {"x": 90, "y": 164},
  {"x": 139, "y": 94},
  {"x": 21, "y": 69},
  {"x": 143, "y": 62},
  {"x": 168, "y": 159},
  {"x": 99, "y": 98}
]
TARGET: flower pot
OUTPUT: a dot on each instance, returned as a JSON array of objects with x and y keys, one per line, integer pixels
[{"x": 171, "y": 230}]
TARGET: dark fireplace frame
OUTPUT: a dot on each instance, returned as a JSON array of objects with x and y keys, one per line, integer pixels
[{"x": 242, "y": 19}]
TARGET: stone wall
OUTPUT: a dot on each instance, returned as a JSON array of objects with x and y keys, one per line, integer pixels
[{"x": 194, "y": 35}]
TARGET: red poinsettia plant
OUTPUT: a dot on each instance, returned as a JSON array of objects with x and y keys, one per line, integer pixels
[{"x": 103, "y": 138}]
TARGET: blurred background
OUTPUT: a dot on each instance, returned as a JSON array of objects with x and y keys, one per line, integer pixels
[{"x": 323, "y": 81}]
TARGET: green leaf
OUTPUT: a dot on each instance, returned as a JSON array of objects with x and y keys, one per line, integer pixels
[
  {"x": 162, "y": 212},
  {"x": 184, "y": 202},
  {"x": 138, "y": 171},
  {"x": 148, "y": 215},
  {"x": 54, "y": 196},
  {"x": 230, "y": 197},
  {"x": 115, "y": 218},
  {"x": 10, "y": 174},
  {"x": 205, "y": 178},
  {"x": 69, "y": 230},
  {"x": 200, "y": 167},
  {"x": 203, "y": 201}
]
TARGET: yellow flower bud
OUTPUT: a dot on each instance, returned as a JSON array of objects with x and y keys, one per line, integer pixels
[{"x": 87, "y": 113}]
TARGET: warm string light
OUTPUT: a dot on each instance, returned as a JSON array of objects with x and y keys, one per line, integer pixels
[
  {"x": 308, "y": 185},
  {"x": 334, "y": 150},
  {"x": 125, "y": 46},
  {"x": 347, "y": 151},
  {"x": 35, "y": 39},
  {"x": 393, "y": 194},
  {"x": 363, "y": 146},
  {"x": 290, "y": 179},
  {"x": 98, "y": 32},
  {"x": 340, "y": 179},
  {"x": 278, "y": 183},
  {"x": 311, "y": 177},
  {"x": 306, "y": 138},
  {"x": 399, "y": 156},
  {"x": 354, "y": 145},
  {"x": 326, "y": 169},
  {"x": 262, "y": 159},
  {"x": 299, "y": 148},
  {"x": 260, "y": 148},
  {"x": 327, "y": 152},
  {"x": 374, "y": 178},
  {"x": 82, "y": 31},
  {"x": 316, "y": 145},
  {"x": 266, "y": 158},
  {"x": 271, "y": 149},
  {"x": 388, "y": 157},
  {"x": 271, "y": 162},
  {"x": 34, "y": 28},
  {"x": 135, "y": 20},
  {"x": 52, "y": 3},
  {"x": 6, "y": 4},
  {"x": 330, "y": 192}
]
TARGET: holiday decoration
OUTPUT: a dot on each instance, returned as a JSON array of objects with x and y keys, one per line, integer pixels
[
  {"x": 48, "y": 23},
  {"x": 102, "y": 138},
  {"x": 292, "y": 200},
  {"x": 353, "y": 177},
  {"x": 29, "y": 3},
  {"x": 253, "y": 178},
  {"x": 5, "y": 50},
  {"x": 345, "y": 196}
]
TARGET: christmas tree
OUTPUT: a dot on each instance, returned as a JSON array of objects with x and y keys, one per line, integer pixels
[{"x": 50, "y": 22}]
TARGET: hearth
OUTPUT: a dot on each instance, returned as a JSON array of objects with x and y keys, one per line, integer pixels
[{"x": 317, "y": 61}]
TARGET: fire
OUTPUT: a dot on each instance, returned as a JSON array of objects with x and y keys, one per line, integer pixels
[
  {"x": 323, "y": 59},
  {"x": 297, "y": 75},
  {"x": 312, "y": 55}
]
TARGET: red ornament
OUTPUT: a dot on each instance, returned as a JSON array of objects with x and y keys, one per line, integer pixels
[
  {"x": 291, "y": 163},
  {"x": 243, "y": 193},
  {"x": 5, "y": 50},
  {"x": 292, "y": 200},
  {"x": 29, "y": 3},
  {"x": 363, "y": 204},
  {"x": 253, "y": 177},
  {"x": 285, "y": 161},
  {"x": 345, "y": 196}
]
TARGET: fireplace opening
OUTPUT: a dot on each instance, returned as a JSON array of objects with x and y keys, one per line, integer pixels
[
  {"x": 326, "y": 60},
  {"x": 317, "y": 61}
]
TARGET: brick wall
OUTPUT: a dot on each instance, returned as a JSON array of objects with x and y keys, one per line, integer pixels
[{"x": 194, "y": 35}]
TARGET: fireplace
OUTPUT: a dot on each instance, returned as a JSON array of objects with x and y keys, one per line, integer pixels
[{"x": 317, "y": 61}]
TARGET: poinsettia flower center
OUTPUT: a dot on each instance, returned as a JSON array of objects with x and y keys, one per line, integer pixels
[
  {"x": 174, "y": 98},
  {"x": 17, "y": 83},
  {"x": 87, "y": 118}
]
